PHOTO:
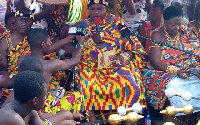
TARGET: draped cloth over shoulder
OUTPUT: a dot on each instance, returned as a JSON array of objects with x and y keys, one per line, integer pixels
[
  {"x": 114, "y": 86},
  {"x": 155, "y": 81}
]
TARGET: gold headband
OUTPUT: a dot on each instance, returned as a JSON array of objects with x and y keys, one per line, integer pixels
[{"x": 20, "y": 14}]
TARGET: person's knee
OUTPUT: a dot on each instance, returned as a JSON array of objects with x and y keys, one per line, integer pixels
[
  {"x": 66, "y": 114},
  {"x": 67, "y": 122}
]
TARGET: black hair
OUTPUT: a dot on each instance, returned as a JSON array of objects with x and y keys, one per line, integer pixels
[
  {"x": 28, "y": 85},
  {"x": 172, "y": 12},
  {"x": 32, "y": 64},
  {"x": 159, "y": 3},
  {"x": 197, "y": 8},
  {"x": 8, "y": 16},
  {"x": 36, "y": 36}
]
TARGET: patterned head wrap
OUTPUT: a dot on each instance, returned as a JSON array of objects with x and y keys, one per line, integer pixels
[{"x": 103, "y": 2}]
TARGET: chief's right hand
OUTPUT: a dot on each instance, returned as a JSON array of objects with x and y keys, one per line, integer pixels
[{"x": 69, "y": 39}]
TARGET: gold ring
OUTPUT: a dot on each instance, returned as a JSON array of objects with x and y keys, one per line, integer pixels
[{"x": 118, "y": 62}]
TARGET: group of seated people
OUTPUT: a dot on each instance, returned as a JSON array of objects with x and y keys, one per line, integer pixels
[{"x": 107, "y": 68}]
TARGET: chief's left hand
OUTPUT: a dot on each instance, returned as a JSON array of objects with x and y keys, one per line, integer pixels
[{"x": 117, "y": 60}]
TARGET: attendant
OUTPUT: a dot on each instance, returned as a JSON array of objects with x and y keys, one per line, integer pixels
[
  {"x": 30, "y": 94},
  {"x": 195, "y": 24},
  {"x": 169, "y": 68},
  {"x": 107, "y": 87},
  {"x": 10, "y": 22},
  {"x": 156, "y": 15}
]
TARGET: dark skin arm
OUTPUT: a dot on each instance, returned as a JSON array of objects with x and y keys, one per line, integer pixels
[
  {"x": 6, "y": 82},
  {"x": 35, "y": 119},
  {"x": 68, "y": 63},
  {"x": 155, "y": 56},
  {"x": 130, "y": 6},
  {"x": 142, "y": 33},
  {"x": 60, "y": 43},
  {"x": 3, "y": 55},
  {"x": 39, "y": 16}
]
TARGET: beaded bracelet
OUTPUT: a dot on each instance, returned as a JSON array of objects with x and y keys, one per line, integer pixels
[
  {"x": 79, "y": 46},
  {"x": 126, "y": 56},
  {"x": 172, "y": 69}
]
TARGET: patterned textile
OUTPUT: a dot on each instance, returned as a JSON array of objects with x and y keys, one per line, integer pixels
[
  {"x": 155, "y": 81},
  {"x": 120, "y": 6},
  {"x": 3, "y": 31},
  {"x": 195, "y": 30},
  {"x": 66, "y": 13},
  {"x": 15, "y": 53},
  {"x": 71, "y": 101},
  {"x": 148, "y": 31},
  {"x": 111, "y": 87}
]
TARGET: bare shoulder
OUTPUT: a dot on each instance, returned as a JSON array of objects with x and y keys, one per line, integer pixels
[
  {"x": 9, "y": 117},
  {"x": 3, "y": 44}
]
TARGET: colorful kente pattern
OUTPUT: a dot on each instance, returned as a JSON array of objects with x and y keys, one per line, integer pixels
[
  {"x": 195, "y": 29},
  {"x": 15, "y": 53},
  {"x": 148, "y": 31},
  {"x": 111, "y": 87},
  {"x": 3, "y": 31},
  {"x": 155, "y": 81},
  {"x": 120, "y": 6}
]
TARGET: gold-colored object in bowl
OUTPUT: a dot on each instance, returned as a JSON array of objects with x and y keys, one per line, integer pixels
[{"x": 168, "y": 123}]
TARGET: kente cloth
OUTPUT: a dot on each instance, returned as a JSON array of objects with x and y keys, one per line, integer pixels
[
  {"x": 111, "y": 87},
  {"x": 148, "y": 31},
  {"x": 120, "y": 6},
  {"x": 155, "y": 81},
  {"x": 196, "y": 30},
  {"x": 66, "y": 13},
  {"x": 181, "y": 86},
  {"x": 71, "y": 101},
  {"x": 3, "y": 31},
  {"x": 13, "y": 55}
]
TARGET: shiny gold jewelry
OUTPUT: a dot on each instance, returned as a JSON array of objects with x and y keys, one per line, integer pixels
[
  {"x": 11, "y": 76},
  {"x": 89, "y": 43},
  {"x": 176, "y": 38},
  {"x": 126, "y": 56},
  {"x": 101, "y": 35},
  {"x": 184, "y": 75},
  {"x": 168, "y": 123},
  {"x": 153, "y": 46},
  {"x": 118, "y": 62},
  {"x": 172, "y": 69}
]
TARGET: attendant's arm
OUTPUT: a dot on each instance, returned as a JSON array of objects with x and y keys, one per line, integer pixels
[
  {"x": 35, "y": 119},
  {"x": 8, "y": 10},
  {"x": 68, "y": 63},
  {"x": 6, "y": 82},
  {"x": 155, "y": 53},
  {"x": 14, "y": 119},
  {"x": 40, "y": 15},
  {"x": 60, "y": 43},
  {"x": 3, "y": 55},
  {"x": 130, "y": 6},
  {"x": 9, "y": 99},
  {"x": 142, "y": 33}
]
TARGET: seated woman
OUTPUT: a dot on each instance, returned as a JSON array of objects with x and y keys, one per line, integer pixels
[
  {"x": 156, "y": 14},
  {"x": 105, "y": 86},
  {"x": 169, "y": 68},
  {"x": 195, "y": 24}
]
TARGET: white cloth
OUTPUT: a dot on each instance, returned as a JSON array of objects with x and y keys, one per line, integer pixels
[
  {"x": 2, "y": 11},
  {"x": 180, "y": 85},
  {"x": 133, "y": 21}
]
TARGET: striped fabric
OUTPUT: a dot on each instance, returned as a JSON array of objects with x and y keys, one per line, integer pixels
[{"x": 115, "y": 86}]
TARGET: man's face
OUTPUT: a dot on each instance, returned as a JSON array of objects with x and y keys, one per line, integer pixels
[
  {"x": 11, "y": 24},
  {"x": 23, "y": 24},
  {"x": 97, "y": 10}
]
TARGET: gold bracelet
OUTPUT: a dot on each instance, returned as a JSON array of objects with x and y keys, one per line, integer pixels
[
  {"x": 172, "y": 69},
  {"x": 11, "y": 76},
  {"x": 126, "y": 56},
  {"x": 153, "y": 46},
  {"x": 89, "y": 43}
]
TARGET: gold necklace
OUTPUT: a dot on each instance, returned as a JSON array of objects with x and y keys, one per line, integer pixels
[{"x": 176, "y": 38}]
